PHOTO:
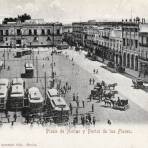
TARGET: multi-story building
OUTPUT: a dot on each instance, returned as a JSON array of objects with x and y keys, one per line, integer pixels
[
  {"x": 67, "y": 33},
  {"x": 130, "y": 34},
  {"x": 78, "y": 33},
  {"x": 143, "y": 54},
  {"x": 30, "y": 34},
  {"x": 115, "y": 41}
]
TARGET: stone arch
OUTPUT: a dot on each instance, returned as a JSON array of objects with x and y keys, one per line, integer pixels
[
  {"x": 124, "y": 59},
  {"x": 116, "y": 59},
  {"x": 120, "y": 61},
  {"x": 136, "y": 63},
  {"x": 128, "y": 60},
  {"x": 132, "y": 61}
]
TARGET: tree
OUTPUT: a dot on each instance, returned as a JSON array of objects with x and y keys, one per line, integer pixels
[{"x": 22, "y": 18}]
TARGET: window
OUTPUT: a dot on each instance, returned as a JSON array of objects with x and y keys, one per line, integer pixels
[
  {"x": 35, "y": 39},
  {"x": 123, "y": 41},
  {"x": 147, "y": 40},
  {"x": 48, "y": 38},
  {"x": 2, "y": 101},
  {"x": 30, "y": 32},
  {"x": 58, "y": 32},
  {"x": 7, "y": 32},
  {"x": 35, "y": 32},
  {"x": 1, "y": 32},
  {"x": 136, "y": 29},
  {"x": 1, "y": 39},
  {"x": 43, "y": 32},
  {"x": 18, "y": 32},
  {"x": 48, "y": 31},
  {"x": 18, "y": 41},
  {"x": 136, "y": 43}
]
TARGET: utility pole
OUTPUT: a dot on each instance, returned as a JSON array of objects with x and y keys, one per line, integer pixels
[
  {"x": 45, "y": 86},
  {"x": 37, "y": 67},
  {"x": 4, "y": 59}
]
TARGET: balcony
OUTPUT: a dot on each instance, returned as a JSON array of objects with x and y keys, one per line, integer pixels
[
  {"x": 143, "y": 59},
  {"x": 143, "y": 45},
  {"x": 105, "y": 37}
]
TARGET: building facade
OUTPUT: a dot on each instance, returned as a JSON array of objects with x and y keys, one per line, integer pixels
[
  {"x": 115, "y": 41},
  {"x": 30, "y": 34},
  {"x": 130, "y": 35},
  {"x": 67, "y": 33},
  {"x": 143, "y": 54}
]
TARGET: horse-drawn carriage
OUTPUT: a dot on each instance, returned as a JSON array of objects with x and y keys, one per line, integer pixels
[
  {"x": 102, "y": 91},
  {"x": 120, "y": 104},
  {"x": 138, "y": 84},
  {"x": 108, "y": 86}
]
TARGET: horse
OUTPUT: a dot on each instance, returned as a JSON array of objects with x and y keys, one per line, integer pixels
[
  {"x": 107, "y": 102},
  {"x": 112, "y": 86},
  {"x": 108, "y": 95}
]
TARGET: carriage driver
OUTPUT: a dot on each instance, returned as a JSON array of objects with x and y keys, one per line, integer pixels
[{"x": 118, "y": 101}]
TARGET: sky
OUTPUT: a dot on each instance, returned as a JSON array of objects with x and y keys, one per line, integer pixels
[{"x": 67, "y": 11}]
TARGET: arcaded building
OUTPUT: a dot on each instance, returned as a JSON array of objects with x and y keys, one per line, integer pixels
[
  {"x": 30, "y": 34},
  {"x": 130, "y": 45}
]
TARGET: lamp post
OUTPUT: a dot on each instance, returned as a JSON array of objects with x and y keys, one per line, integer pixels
[{"x": 52, "y": 72}]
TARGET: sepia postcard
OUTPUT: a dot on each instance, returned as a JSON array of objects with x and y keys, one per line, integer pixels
[{"x": 73, "y": 73}]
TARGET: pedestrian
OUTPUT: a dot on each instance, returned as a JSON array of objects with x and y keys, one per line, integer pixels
[
  {"x": 90, "y": 81},
  {"x": 97, "y": 71},
  {"x": 82, "y": 120},
  {"x": 6, "y": 113},
  {"x": 83, "y": 103},
  {"x": 77, "y": 103},
  {"x": 74, "y": 98},
  {"x": 94, "y": 71},
  {"x": 94, "y": 121},
  {"x": 8, "y": 68},
  {"x": 43, "y": 65},
  {"x": 70, "y": 106},
  {"x": 90, "y": 97},
  {"x": 15, "y": 117},
  {"x": 69, "y": 87},
  {"x": 93, "y": 81},
  {"x": 77, "y": 97},
  {"x": 66, "y": 85},
  {"x": 74, "y": 121},
  {"x": 31, "y": 124},
  {"x": 92, "y": 107},
  {"x": 109, "y": 122},
  {"x": 12, "y": 123},
  {"x": 89, "y": 118},
  {"x": 8, "y": 118}
]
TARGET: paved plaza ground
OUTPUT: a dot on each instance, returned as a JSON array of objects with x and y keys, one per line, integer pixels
[{"x": 77, "y": 73}]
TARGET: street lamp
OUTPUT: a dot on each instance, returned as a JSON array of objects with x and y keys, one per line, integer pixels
[{"x": 52, "y": 72}]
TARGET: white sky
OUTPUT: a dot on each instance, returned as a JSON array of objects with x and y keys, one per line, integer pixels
[{"x": 67, "y": 11}]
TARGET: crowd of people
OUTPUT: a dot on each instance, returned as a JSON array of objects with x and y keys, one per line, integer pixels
[{"x": 85, "y": 120}]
